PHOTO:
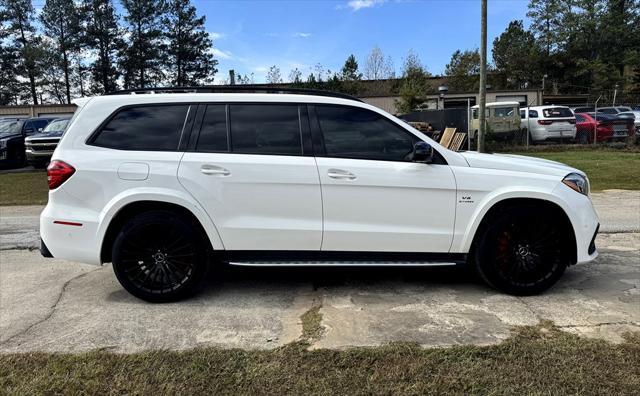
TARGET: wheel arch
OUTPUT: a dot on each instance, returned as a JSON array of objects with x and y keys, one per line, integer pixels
[
  {"x": 116, "y": 216},
  {"x": 499, "y": 206}
]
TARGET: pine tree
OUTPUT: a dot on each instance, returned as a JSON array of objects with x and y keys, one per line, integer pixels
[
  {"x": 9, "y": 58},
  {"x": 189, "y": 57},
  {"x": 463, "y": 70},
  {"x": 350, "y": 70},
  {"x": 102, "y": 37},
  {"x": 141, "y": 58},
  {"x": 61, "y": 23},
  {"x": 518, "y": 56},
  {"x": 414, "y": 84},
  {"x": 20, "y": 17}
]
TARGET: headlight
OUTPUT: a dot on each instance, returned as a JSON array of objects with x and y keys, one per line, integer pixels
[{"x": 577, "y": 182}]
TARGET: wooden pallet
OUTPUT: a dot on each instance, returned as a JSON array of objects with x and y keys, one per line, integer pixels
[
  {"x": 447, "y": 136},
  {"x": 458, "y": 140}
]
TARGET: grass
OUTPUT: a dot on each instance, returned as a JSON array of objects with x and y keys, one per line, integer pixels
[
  {"x": 535, "y": 360},
  {"x": 25, "y": 188},
  {"x": 312, "y": 328},
  {"x": 607, "y": 169}
]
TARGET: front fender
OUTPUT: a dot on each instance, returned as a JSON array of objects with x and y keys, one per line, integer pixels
[
  {"x": 180, "y": 198},
  {"x": 468, "y": 221}
]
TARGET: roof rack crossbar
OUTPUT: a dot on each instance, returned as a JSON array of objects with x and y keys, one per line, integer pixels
[{"x": 235, "y": 89}]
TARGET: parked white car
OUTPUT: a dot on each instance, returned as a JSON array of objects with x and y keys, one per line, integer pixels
[
  {"x": 168, "y": 186},
  {"x": 548, "y": 123}
]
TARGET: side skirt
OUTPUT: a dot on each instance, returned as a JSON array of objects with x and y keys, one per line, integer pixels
[{"x": 270, "y": 258}]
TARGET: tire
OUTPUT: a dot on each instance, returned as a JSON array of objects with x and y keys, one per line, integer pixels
[
  {"x": 522, "y": 252},
  {"x": 160, "y": 256},
  {"x": 582, "y": 137}
]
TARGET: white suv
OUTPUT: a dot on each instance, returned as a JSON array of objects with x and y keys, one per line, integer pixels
[
  {"x": 166, "y": 186},
  {"x": 548, "y": 123}
]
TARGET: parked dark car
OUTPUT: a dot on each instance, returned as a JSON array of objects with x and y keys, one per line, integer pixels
[
  {"x": 609, "y": 127},
  {"x": 12, "y": 135},
  {"x": 39, "y": 147}
]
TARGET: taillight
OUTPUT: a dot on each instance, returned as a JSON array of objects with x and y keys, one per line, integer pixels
[
  {"x": 545, "y": 122},
  {"x": 58, "y": 172}
]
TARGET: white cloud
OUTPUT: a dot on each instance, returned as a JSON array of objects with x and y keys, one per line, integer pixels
[
  {"x": 301, "y": 35},
  {"x": 216, "y": 35},
  {"x": 357, "y": 5},
  {"x": 222, "y": 54}
]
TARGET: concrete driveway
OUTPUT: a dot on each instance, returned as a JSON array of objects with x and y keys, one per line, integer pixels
[{"x": 52, "y": 305}]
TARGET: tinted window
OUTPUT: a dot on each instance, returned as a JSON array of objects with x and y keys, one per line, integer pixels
[
  {"x": 557, "y": 112},
  {"x": 357, "y": 133},
  {"x": 607, "y": 111},
  {"x": 533, "y": 113},
  {"x": 580, "y": 118},
  {"x": 213, "y": 133},
  {"x": 265, "y": 129},
  {"x": 144, "y": 128},
  {"x": 475, "y": 114},
  {"x": 522, "y": 114}
]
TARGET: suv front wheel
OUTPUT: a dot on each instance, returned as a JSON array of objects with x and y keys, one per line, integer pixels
[
  {"x": 159, "y": 256},
  {"x": 522, "y": 251}
]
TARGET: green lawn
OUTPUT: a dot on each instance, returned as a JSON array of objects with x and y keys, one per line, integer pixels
[
  {"x": 29, "y": 188},
  {"x": 606, "y": 169},
  {"x": 535, "y": 360}
]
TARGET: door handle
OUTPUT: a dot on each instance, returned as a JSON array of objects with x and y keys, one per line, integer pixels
[
  {"x": 341, "y": 174},
  {"x": 214, "y": 170}
]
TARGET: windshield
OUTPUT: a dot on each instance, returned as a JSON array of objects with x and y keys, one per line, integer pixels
[
  {"x": 56, "y": 126},
  {"x": 12, "y": 127}
]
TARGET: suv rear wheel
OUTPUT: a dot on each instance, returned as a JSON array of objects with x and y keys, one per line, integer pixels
[
  {"x": 522, "y": 251},
  {"x": 159, "y": 256}
]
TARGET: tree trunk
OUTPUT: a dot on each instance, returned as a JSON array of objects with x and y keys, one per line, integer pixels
[{"x": 29, "y": 65}]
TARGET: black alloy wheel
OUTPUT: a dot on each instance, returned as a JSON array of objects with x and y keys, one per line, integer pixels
[
  {"x": 524, "y": 252},
  {"x": 159, "y": 256}
]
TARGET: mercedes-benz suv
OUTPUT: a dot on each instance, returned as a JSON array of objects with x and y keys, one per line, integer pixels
[{"x": 167, "y": 186}]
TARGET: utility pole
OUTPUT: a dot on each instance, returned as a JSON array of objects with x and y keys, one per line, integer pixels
[
  {"x": 483, "y": 76},
  {"x": 615, "y": 93}
]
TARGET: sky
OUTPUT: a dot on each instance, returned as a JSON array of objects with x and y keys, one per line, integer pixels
[{"x": 250, "y": 36}]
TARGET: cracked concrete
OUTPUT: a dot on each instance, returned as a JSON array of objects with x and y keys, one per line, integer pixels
[{"x": 53, "y": 305}]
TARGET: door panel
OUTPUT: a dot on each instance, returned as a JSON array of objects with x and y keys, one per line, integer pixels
[
  {"x": 386, "y": 206},
  {"x": 257, "y": 202}
]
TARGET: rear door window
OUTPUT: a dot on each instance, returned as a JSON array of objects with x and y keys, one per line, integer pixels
[
  {"x": 155, "y": 128},
  {"x": 272, "y": 129},
  {"x": 554, "y": 112},
  {"x": 213, "y": 133},
  {"x": 533, "y": 113}
]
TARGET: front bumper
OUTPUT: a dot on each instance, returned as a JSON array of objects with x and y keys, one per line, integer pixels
[{"x": 584, "y": 221}]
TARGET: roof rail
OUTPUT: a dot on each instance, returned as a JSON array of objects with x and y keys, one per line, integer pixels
[{"x": 235, "y": 89}]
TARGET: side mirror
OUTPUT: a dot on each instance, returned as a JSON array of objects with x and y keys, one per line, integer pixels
[{"x": 422, "y": 152}]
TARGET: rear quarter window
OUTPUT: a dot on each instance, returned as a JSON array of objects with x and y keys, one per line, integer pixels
[
  {"x": 554, "y": 112},
  {"x": 156, "y": 128}
]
